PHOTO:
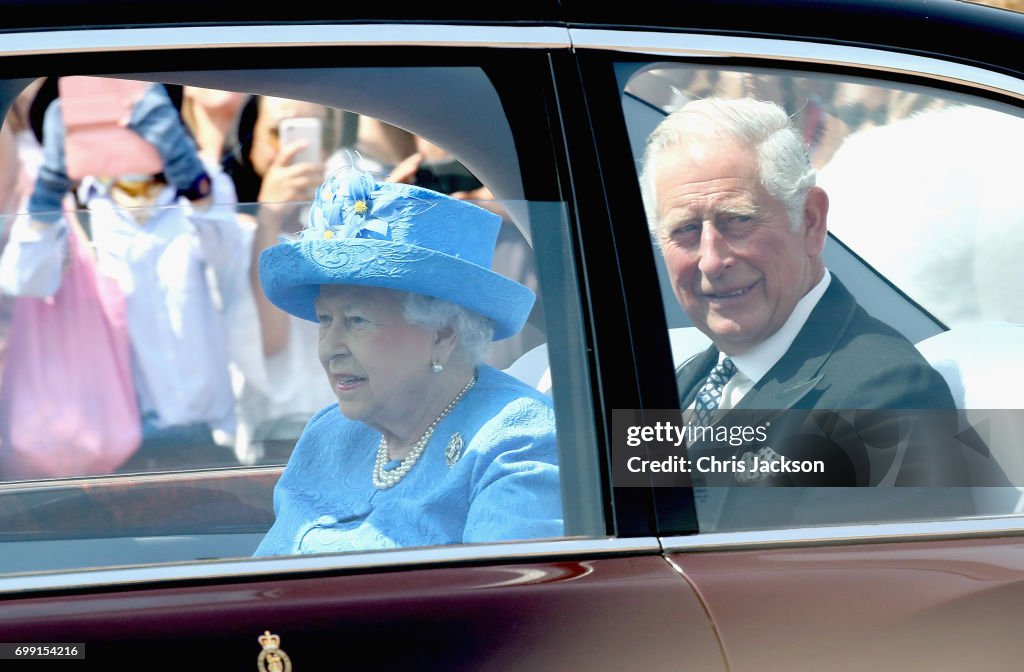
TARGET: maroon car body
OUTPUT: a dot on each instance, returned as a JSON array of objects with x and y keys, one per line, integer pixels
[{"x": 145, "y": 569}]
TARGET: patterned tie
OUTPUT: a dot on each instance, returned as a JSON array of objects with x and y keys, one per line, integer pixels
[{"x": 710, "y": 396}]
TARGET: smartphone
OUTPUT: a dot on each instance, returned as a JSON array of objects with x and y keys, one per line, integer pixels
[{"x": 309, "y": 129}]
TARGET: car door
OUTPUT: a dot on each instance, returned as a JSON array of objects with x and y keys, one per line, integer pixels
[
  {"x": 152, "y": 560},
  {"x": 892, "y": 110}
]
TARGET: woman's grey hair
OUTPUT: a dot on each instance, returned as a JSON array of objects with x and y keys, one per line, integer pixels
[
  {"x": 475, "y": 330},
  {"x": 784, "y": 164}
]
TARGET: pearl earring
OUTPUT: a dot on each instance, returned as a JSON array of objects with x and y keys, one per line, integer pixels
[{"x": 436, "y": 367}]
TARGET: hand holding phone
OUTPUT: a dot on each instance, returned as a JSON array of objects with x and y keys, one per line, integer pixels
[{"x": 306, "y": 129}]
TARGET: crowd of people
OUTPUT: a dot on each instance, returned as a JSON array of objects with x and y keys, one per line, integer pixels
[{"x": 221, "y": 375}]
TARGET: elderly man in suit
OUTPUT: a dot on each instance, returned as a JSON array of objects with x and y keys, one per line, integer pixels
[{"x": 733, "y": 202}]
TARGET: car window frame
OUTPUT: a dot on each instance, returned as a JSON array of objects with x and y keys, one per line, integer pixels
[
  {"x": 599, "y": 50},
  {"x": 85, "y": 52}
]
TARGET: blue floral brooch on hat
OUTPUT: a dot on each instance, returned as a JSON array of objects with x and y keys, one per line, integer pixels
[{"x": 352, "y": 204}]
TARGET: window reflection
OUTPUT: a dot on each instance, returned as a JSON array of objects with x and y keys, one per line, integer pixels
[
  {"x": 214, "y": 374},
  {"x": 923, "y": 203}
]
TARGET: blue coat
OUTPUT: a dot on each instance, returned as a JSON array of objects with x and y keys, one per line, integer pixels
[{"x": 505, "y": 485}]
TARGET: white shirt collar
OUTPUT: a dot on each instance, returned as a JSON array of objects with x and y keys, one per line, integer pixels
[{"x": 762, "y": 357}]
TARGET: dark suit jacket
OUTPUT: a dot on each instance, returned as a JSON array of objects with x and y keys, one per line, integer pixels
[
  {"x": 842, "y": 358},
  {"x": 884, "y": 415}
]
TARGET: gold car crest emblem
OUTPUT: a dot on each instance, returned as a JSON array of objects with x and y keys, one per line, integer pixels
[{"x": 272, "y": 658}]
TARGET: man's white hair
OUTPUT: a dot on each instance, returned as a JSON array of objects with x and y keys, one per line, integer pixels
[{"x": 784, "y": 164}]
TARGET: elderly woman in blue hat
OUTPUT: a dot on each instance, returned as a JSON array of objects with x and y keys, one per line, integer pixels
[{"x": 426, "y": 445}]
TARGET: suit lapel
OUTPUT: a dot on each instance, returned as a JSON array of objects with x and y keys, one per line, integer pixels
[{"x": 799, "y": 371}]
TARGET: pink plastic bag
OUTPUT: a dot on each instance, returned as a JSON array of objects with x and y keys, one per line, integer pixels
[{"x": 67, "y": 401}]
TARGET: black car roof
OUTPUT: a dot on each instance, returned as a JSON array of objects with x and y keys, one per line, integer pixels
[
  {"x": 934, "y": 27},
  {"x": 783, "y": 17}
]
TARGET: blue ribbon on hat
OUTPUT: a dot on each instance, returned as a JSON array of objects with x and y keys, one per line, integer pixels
[{"x": 351, "y": 204}]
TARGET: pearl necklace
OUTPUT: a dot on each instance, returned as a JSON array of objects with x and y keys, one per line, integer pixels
[{"x": 382, "y": 479}]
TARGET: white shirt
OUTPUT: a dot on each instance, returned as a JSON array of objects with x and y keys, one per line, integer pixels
[
  {"x": 275, "y": 395},
  {"x": 752, "y": 365}
]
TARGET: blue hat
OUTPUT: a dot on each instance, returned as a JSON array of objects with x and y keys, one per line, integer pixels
[{"x": 395, "y": 236}]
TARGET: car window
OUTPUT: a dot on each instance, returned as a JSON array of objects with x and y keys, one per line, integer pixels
[
  {"x": 924, "y": 223},
  {"x": 152, "y": 392}
]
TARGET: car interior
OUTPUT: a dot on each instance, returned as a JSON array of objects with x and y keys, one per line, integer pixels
[
  {"x": 951, "y": 349},
  {"x": 231, "y": 507}
]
